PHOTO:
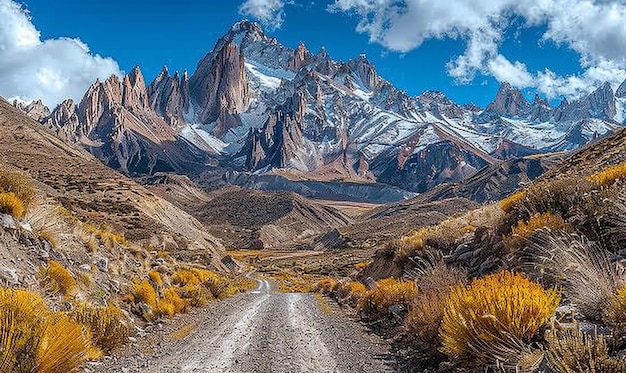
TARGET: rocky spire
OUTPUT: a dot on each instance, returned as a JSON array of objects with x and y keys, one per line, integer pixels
[
  {"x": 169, "y": 96},
  {"x": 301, "y": 57},
  {"x": 509, "y": 101},
  {"x": 621, "y": 90},
  {"x": 135, "y": 95},
  {"x": 220, "y": 87}
]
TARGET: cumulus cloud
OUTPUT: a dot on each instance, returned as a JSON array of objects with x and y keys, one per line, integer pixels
[
  {"x": 592, "y": 28},
  {"x": 269, "y": 12},
  {"x": 52, "y": 70}
]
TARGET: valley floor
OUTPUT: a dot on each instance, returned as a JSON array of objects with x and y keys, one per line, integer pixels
[{"x": 259, "y": 331}]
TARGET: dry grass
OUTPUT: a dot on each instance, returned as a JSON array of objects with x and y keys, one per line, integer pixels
[
  {"x": 35, "y": 339},
  {"x": 572, "y": 351},
  {"x": 525, "y": 229},
  {"x": 105, "y": 235},
  {"x": 388, "y": 292},
  {"x": 582, "y": 268},
  {"x": 609, "y": 176},
  {"x": 615, "y": 313},
  {"x": 444, "y": 235},
  {"x": 509, "y": 202},
  {"x": 184, "y": 331},
  {"x": 49, "y": 237},
  {"x": 155, "y": 277},
  {"x": 322, "y": 304},
  {"x": 492, "y": 320},
  {"x": 326, "y": 285},
  {"x": 170, "y": 304},
  {"x": 143, "y": 291},
  {"x": 108, "y": 325},
  {"x": 58, "y": 280},
  {"x": 426, "y": 311},
  {"x": 10, "y": 204}
]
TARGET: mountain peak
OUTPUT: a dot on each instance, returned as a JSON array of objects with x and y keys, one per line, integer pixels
[
  {"x": 246, "y": 26},
  {"x": 509, "y": 101}
]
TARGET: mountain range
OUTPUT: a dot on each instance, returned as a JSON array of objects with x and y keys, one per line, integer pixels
[{"x": 262, "y": 115}]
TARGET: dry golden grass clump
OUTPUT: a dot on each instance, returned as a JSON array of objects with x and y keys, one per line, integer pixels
[
  {"x": 615, "y": 313},
  {"x": 572, "y": 351},
  {"x": 142, "y": 291},
  {"x": 609, "y": 176},
  {"x": 104, "y": 235},
  {"x": 49, "y": 237},
  {"x": 388, "y": 292},
  {"x": 35, "y": 339},
  {"x": 509, "y": 202},
  {"x": 171, "y": 303},
  {"x": 108, "y": 325},
  {"x": 581, "y": 268},
  {"x": 16, "y": 193},
  {"x": 492, "y": 320},
  {"x": 156, "y": 277},
  {"x": 326, "y": 285},
  {"x": 352, "y": 292},
  {"x": 291, "y": 282},
  {"x": 58, "y": 280},
  {"x": 10, "y": 204},
  {"x": 426, "y": 310},
  {"x": 538, "y": 221}
]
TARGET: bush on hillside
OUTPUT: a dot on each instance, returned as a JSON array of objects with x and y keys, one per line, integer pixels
[{"x": 493, "y": 320}]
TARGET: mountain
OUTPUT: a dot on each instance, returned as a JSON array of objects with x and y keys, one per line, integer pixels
[
  {"x": 92, "y": 193},
  {"x": 255, "y": 106}
]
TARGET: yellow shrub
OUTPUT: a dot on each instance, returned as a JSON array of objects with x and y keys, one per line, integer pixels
[
  {"x": 170, "y": 304},
  {"x": 196, "y": 295},
  {"x": 491, "y": 320},
  {"x": 538, "y": 221},
  {"x": 509, "y": 202},
  {"x": 352, "y": 292},
  {"x": 615, "y": 313},
  {"x": 18, "y": 184},
  {"x": 108, "y": 325},
  {"x": 50, "y": 238},
  {"x": 35, "y": 339},
  {"x": 361, "y": 266},
  {"x": 326, "y": 285},
  {"x": 144, "y": 292},
  {"x": 388, "y": 292},
  {"x": 155, "y": 277},
  {"x": 609, "y": 176},
  {"x": 58, "y": 280},
  {"x": 183, "y": 277},
  {"x": 10, "y": 204}
]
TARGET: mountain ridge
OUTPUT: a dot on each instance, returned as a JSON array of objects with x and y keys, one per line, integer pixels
[{"x": 254, "y": 105}]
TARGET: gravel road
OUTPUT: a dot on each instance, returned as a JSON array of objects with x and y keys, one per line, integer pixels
[{"x": 264, "y": 331}]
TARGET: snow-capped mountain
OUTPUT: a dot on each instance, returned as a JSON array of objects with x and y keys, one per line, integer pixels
[{"x": 254, "y": 105}]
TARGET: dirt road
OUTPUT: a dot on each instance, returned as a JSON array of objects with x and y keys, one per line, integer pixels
[{"x": 263, "y": 331}]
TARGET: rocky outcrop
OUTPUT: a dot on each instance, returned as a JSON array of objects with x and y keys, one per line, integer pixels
[
  {"x": 598, "y": 104},
  {"x": 301, "y": 57},
  {"x": 509, "y": 101},
  {"x": 36, "y": 109},
  {"x": 219, "y": 87},
  {"x": 365, "y": 71},
  {"x": 169, "y": 96},
  {"x": 134, "y": 93},
  {"x": 64, "y": 121}
]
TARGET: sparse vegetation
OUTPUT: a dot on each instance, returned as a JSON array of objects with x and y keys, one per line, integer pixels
[
  {"x": 493, "y": 320},
  {"x": 582, "y": 268},
  {"x": 36, "y": 339},
  {"x": 572, "y": 351},
  {"x": 609, "y": 176},
  {"x": 108, "y": 326},
  {"x": 16, "y": 193},
  {"x": 58, "y": 280},
  {"x": 509, "y": 202},
  {"x": 388, "y": 292}
]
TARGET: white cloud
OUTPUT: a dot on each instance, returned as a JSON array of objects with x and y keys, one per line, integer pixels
[
  {"x": 269, "y": 12},
  {"x": 592, "y": 28},
  {"x": 52, "y": 70}
]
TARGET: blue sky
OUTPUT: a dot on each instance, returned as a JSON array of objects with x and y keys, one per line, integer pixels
[{"x": 464, "y": 48}]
